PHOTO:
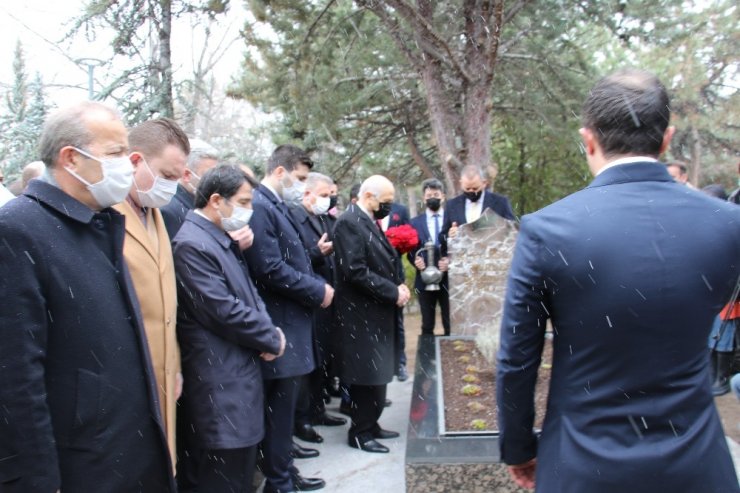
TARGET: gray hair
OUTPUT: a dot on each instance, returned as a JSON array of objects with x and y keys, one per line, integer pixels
[
  {"x": 315, "y": 178},
  {"x": 32, "y": 170},
  {"x": 68, "y": 127},
  {"x": 200, "y": 150},
  {"x": 473, "y": 171}
]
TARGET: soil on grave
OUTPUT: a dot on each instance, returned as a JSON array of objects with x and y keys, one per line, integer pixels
[{"x": 460, "y": 358}]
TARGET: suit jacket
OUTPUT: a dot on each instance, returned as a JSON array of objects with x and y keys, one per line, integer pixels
[
  {"x": 174, "y": 213},
  {"x": 282, "y": 272},
  {"x": 222, "y": 327},
  {"x": 455, "y": 212},
  {"x": 365, "y": 299},
  {"x": 625, "y": 274},
  {"x": 422, "y": 229},
  {"x": 78, "y": 399},
  {"x": 153, "y": 274}
]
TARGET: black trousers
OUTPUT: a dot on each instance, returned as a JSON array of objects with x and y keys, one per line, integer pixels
[
  {"x": 280, "y": 403},
  {"x": 428, "y": 301},
  {"x": 368, "y": 402},
  {"x": 310, "y": 405},
  {"x": 227, "y": 471},
  {"x": 188, "y": 453}
]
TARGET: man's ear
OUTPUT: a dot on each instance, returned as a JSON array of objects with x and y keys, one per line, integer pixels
[
  {"x": 589, "y": 140},
  {"x": 136, "y": 158},
  {"x": 68, "y": 157},
  {"x": 667, "y": 137},
  {"x": 215, "y": 200}
]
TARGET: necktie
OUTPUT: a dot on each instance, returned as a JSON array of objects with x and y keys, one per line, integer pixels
[{"x": 436, "y": 228}]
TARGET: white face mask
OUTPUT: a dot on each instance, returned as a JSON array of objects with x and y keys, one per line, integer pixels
[
  {"x": 161, "y": 192},
  {"x": 239, "y": 218},
  {"x": 293, "y": 195},
  {"x": 118, "y": 175},
  {"x": 321, "y": 206}
]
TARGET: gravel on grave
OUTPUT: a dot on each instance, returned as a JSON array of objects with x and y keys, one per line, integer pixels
[{"x": 460, "y": 357}]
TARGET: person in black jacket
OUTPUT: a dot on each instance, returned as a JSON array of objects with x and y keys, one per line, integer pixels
[
  {"x": 370, "y": 293},
  {"x": 223, "y": 330},
  {"x": 78, "y": 401},
  {"x": 470, "y": 204}
]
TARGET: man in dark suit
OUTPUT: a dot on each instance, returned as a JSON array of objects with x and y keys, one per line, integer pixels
[
  {"x": 316, "y": 238},
  {"x": 202, "y": 157},
  {"x": 78, "y": 399},
  {"x": 469, "y": 205},
  {"x": 369, "y": 295},
  {"x": 428, "y": 226},
  {"x": 625, "y": 274},
  {"x": 291, "y": 291},
  {"x": 223, "y": 330}
]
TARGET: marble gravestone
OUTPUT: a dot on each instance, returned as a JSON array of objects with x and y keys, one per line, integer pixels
[{"x": 480, "y": 257}]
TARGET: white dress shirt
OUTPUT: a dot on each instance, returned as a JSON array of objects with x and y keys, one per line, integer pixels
[
  {"x": 430, "y": 223},
  {"x": 473, "y": 210}
]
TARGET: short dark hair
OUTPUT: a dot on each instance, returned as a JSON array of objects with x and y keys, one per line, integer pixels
[
  {"x": 224, "y": 180},
  {"x": 151, "y": 137},
  {"x": 628, "y": 112},
  {"x": 432, "y": 183},
  {"x": 354, "y": 192},
  {"x": 288, "y": 156}
]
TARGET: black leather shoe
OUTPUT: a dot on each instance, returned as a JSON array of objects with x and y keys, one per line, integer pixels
[
  {"x": 387, "y": 403},
  {"x": 402, "y": 375},
  {"x": 308, "y": 434},
  {"x": 307, "y": 484},
  {"x": 382, "y": 434},
  {"x": 329, "y": 420},
  {"x": 345, "y": 409},
  {"x": 298, "y": 452},
  {"x": 368, "y": 445}
]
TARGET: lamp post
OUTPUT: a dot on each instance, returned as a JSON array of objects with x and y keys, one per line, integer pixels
[{"x": 90, "y": 63}]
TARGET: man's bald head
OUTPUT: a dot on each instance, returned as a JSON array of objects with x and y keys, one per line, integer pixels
[{"x": 376, "y": 190}]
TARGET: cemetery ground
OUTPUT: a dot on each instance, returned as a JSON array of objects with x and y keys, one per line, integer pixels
[{"x": 349, "y": 470}]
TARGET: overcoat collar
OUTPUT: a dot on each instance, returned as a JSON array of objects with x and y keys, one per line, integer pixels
[
  {"x": 372, "y": 226},
  {"x": 632, "y": 172},
  {"x": 62, "y": 202},
  {"x": 218, "y": 234}
]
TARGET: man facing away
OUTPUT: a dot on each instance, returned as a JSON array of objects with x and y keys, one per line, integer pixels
[
  {"x": 78, "y": 398},
  {"x": 224, "y": 330},
  {"x": 369, "y": 295},
  {"x": 159, "y": 153},
  {"x": 623, "y": 271},
  {"x": 291, "y": 291}
]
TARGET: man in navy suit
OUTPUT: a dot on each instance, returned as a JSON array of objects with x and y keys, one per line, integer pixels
[
  {"x": 469, "y": 205},
  {"x": 223, "y": 330},
  {"x": 291, "y": 291},
  {"x": 428, "y": 226},
  {"x": 624, "y": 273}
]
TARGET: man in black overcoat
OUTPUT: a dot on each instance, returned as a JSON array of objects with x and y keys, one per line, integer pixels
[
  {"x": 78, "y": 401},
  {"x": 369, "y": 295}
]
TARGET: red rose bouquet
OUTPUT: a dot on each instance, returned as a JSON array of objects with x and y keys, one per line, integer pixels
[{"x": 403, "y": 238}]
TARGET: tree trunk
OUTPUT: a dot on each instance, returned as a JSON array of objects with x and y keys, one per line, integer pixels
[
  {"x": 165, "y": 60},
  {"x": 695, "y": 174}
]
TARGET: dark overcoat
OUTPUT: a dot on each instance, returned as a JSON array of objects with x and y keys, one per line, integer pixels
[
  {"x": 282, "y": 272},
  {"x": 222, "y": 327},
  {"x": 174, "y": 213},
  {"x": 625, "y": 273},
  {"x": 78, "y": 407},
  {"x": 367, "y": 291}
]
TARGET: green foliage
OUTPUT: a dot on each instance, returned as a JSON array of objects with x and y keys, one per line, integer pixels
[{"x": 22, "y": 119}]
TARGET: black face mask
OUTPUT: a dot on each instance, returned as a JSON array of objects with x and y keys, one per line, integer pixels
[
  {"x": 473, "y": 196},
  {"x": 332, "y": 201},
  {"x": 384, "y": 210},
  {"x": 434, "y": 204}
]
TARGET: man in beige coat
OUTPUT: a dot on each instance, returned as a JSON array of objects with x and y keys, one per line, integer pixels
[{"x": 159, "y": 153}]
